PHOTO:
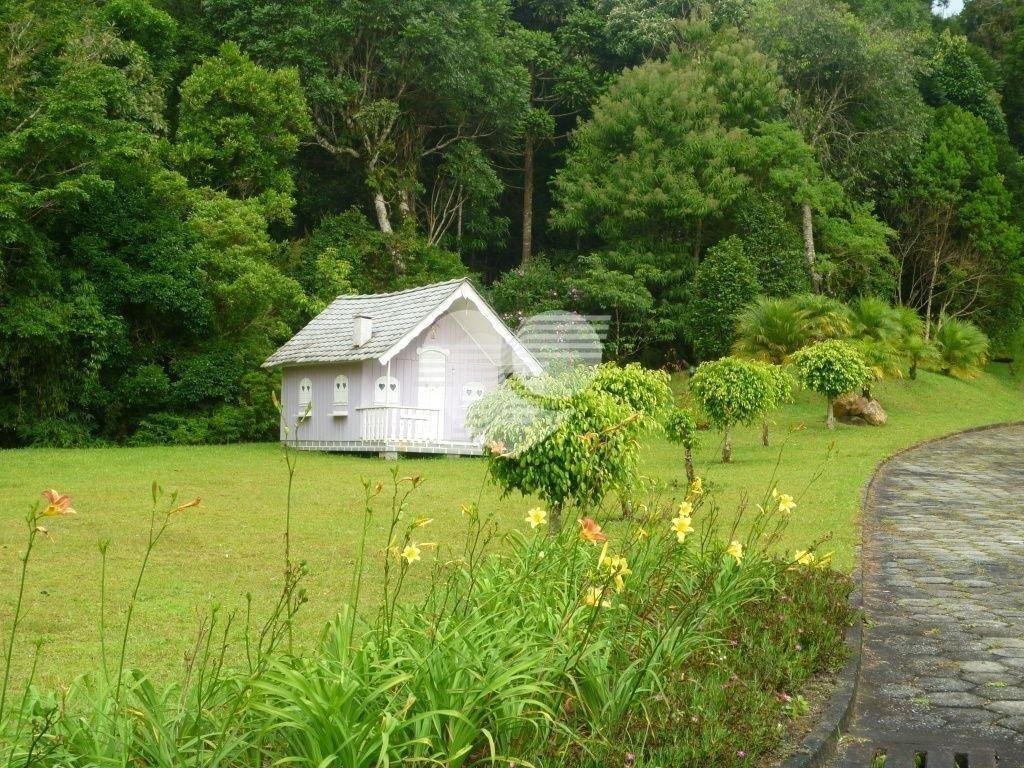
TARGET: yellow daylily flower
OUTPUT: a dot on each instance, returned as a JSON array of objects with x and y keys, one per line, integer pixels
[
  {"x": 537, "y": 517},
  {"x": 685, "y": 509},
  {"x": 803, "y": 557},
  {"x": 696, "y": 487},
  {"x": 641, "y": 534},
  {"x": 595, "y": 598},
  {"x": 682, "y": 525},
  {"x": 411, "y": 553},
  {"x": 824, "y": 561},
  {"x": 735, "y": 550},
  {"x": 786, "y": 503}
]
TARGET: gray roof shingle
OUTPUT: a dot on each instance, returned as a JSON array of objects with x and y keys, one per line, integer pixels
[{"x": 327, "y": 338}]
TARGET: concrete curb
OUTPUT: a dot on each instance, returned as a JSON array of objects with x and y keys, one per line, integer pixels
[{"x": 819, "y": 746}]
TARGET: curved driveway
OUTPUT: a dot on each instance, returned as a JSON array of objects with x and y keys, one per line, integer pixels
[{"x": 943, "y": 591}]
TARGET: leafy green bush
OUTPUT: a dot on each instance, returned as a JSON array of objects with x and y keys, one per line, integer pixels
[
  {"x": 681, "y": 428},
  {"x": 732, "y": 391},
  {"x": 962, "y": 347},
  {"x": 725, "y": 282},
  {"x": 779, "y": 390},
  {"x": 830, "y": 368},
  {"x": 350, "y": 247},
  {"x": 570, "y": 439}
]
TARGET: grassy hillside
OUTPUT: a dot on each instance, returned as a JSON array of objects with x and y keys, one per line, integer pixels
[{"x": 232, "y": 544}]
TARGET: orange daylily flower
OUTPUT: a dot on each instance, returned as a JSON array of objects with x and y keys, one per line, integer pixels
[
  {"x": 590, "y": 531},
  {"x": 187, "y": 505},
  {"x": 57, "y": 504}
]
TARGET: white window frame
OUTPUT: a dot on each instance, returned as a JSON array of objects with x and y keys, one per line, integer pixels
[
  {"x": 380, "y": 397},
  {"x": 341, "y": 395},
  {"x": 470, "y": 397},
  {"x": 305, "y": 397}
]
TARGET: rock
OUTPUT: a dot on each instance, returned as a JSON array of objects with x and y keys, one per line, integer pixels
[{"x": 859, "y": 410}]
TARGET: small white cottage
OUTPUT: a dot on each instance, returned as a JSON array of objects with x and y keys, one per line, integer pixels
[{"x": 395, "y": 372}]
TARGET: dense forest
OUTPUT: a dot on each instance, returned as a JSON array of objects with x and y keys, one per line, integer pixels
[{"x": 184, "y": 183}]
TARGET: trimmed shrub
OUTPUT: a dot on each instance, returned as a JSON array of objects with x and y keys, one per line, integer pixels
[
  {"x": 570, "y": 439},
  {"x": 681, "y": 428},
  {"x": 731, "y": 391},
  {"x": 830, "y": 368}
]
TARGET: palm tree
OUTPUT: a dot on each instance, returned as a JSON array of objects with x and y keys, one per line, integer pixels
[
  {"x": 962, "y": 347},
  {"x": 824, "y": 317},
  {"x": 875, "y": 319},
  {"x": 917, "y": 350},
  {"x": 770, "y": 330},
  {"x": 877, "y": 332}
]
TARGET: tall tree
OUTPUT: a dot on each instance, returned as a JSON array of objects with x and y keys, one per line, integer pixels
[
  {"x": 963, "y": 253},
  {"x": 394, "y": 88},
  {"x": 855, "y": 92},
  {"x": 239, "y": 126}
]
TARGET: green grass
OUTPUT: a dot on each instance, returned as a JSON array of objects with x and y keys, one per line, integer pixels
[{"x": 232, "y": 544}]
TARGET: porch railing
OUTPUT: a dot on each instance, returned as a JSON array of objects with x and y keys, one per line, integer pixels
[{"x": 400, "y": 423}]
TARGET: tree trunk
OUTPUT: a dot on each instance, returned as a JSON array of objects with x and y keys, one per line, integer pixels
[
  {"x": 727, "y": 447},
  {"x": 913, "y": 370},
  {"x": 555, "y": 520},
  {"x": 626, "y": 507},
  {"x": 809, "y": 255},
  {"x": 931, "y": 295},
  {"x": 404, "y": 203},
  {"x": 688, "y": 460},
  {"x": 830, "y": 414},
  {"x": 527, "y": 200},
  {"x": 764, "y": 433},
  {"x": 381, "y": 207}
]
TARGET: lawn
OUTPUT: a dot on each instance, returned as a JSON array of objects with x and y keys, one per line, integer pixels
[{"x": 232, "y": 544}]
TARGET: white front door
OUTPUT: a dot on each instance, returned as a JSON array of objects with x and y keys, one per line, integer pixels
[{"x": 432, "y": 384}]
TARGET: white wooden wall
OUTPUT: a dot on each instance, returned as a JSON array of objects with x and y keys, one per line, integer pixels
[{"x": 469, "y": 360}]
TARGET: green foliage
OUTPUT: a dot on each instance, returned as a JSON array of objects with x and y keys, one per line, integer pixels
[
  {"x": 681, "y": 427},
  {"x": 962, "y": 347},
  {"x": 830, "y": 368},
  {"x": 779, "y": 386},
  {"x": 858, "y": 101},
  {"x": 239, "y": 125},
  {"x": 956, "y": 78},
  {"x": 772, "y": 241},
  {"x": 570, "y": 439},
  {"x": 117, "y": 267},
  {"x": 879, "y": 331},
  {"x": 965, "y": 254},
  {"x": 348, "y": 250},
  {"x": 770, "y": 329},
  {"x": 656, "y": 161},
  {"x": 725, "y": 281},
  {"x": 732, "y": 391},
  {"x": 824, "y": 317}
]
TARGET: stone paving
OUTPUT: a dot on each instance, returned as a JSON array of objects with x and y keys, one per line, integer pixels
[{"x": 943, "y": 595}]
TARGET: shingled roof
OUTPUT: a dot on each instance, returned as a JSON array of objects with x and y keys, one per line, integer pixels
[{"x": 328, "y": 337}]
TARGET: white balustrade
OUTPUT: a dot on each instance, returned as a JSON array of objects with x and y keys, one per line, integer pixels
[{"x": 400, "y": 423}]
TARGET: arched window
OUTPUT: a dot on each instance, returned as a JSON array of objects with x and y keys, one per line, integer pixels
[
  {"x": 471, "y": 392},
  {"x": 305, "y": 396},
  {"x": 341, "y": 390},
  {"x": 386, "y": 391}
]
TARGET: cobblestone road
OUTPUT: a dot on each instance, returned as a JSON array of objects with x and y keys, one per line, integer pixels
[{"x": 943, "y": 596}]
